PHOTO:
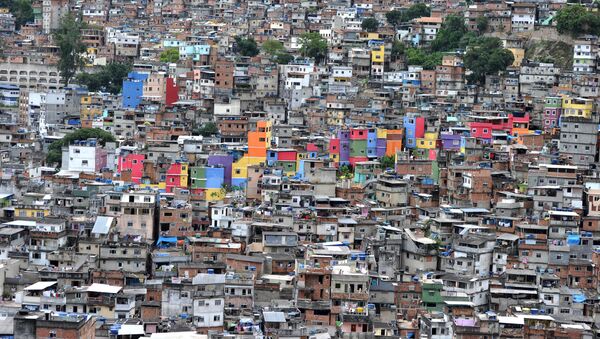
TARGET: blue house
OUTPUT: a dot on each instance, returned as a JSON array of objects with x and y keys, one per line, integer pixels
[{"x": 133, "y": 88}]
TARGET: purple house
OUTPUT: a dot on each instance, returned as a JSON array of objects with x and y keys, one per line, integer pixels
[
  {"x": 224, "y": 160},
  {"x": 451, "y": 142},
  {"x": 344, "y": 137}
]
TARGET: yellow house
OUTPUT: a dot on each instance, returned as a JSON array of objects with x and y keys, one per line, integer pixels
[
  {"x": 381, "y": 133},
  {"x": 577, "y": 107},
  {"x": 90, "y": 110},
  {"x": 378, "y": 55},
  {"x": 428, "y": 141},
  {"x": 258, "y": 143},
  {"x": 26, "y": 211},
  {"x": 369, "y": 36}
]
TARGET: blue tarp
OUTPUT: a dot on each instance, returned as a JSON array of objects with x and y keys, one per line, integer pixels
[
  {"x": 573, "y": 239},
  {"x": 166, "y": 240},
  {"x": 578, "y": 298}
]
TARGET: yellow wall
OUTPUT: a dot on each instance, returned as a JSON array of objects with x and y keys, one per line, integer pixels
[
  {"x": 159, "y": 186},
  {"x": 214, "y": 194},
  {"x": 378, "y": 55},
  {"x": 582, "y": 108},
  {"x": 31, "y": 212},
  {"x": 424, "y": 143}
]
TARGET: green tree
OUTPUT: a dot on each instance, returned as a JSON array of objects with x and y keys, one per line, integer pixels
[
  {"x": 577, "y": 20},
  {"x": 482, "y": 24},
  {"x": 345, "y": 172},
  {"x": 55, "y": 149},
  {"x": 450, "y": 35},
  {"x": 416, "y": 11},
  {"x": 398, "y": 49},
  {"x": 272, "y": 47},
  {"x": 486, "y": 57},
  {"x": 284, "y": 58},
  {"x": 246, "y": 46},
  {"x": 277, "y": 51},
  {"x": 370, "y": 24},
  {"x": 388, "y": 162},
  {"x": 313, "y": 46},
  {"x": 68, "y": 39},
  {"x": 419, "y": 57},
  {"x": 170, "y": 55},
  {"x": 394, "y": 17},
  {"x": 209, "y": 129},
  {"x": 108, "y": 79},
  {"x": 22, "y": 11}
]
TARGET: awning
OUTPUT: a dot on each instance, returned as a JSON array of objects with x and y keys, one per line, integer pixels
[{"x": 40, "y": 285}]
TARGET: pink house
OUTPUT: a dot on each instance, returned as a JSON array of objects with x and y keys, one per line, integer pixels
[{"x": 133, "y": 163}]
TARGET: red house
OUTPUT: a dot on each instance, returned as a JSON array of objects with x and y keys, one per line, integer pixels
[
  {"x": 172, "y": 92},
  {"x": 177, "y": 176},
  {"x": 481, "y": 130},
  {"x": 133, "y": 163}
]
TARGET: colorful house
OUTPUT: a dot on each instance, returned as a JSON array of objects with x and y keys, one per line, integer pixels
[
  {"x": 133, "y": 163},
  {"x": 481, "y": 130},
  {"x": 133, "y": 89},
  {"x": 381, "y": 142},
  {"x": 195, "y": 52},
  {"x": 209, "y": 180},
  {"x": 552, "y": 112},
  {"x": 577, "y": 107},
  {"x": 312, "y": 151},
  {"x": 91, "y": 109},
  {"x": 520, "y": 124},
  {"x": 344, "y": 137},
  {"x": 171, "y": 92},
  {"x": 415, "y": 128},
  {"x": 177, "y": 176},
  {"x": 334, "y": 151},
  {"x": 428, "y": 141},
  {"x": 393, "y": 143},
  {"x": 259, "y": 141},
  {"x": 358, "y": 145},
  {"x": 225, "y": 161},
  {"x": 450, "y": 141},
  {"x": 365, "y": 171},
  {"x": 287, "y": 159},
  {"x": 372, "y": 143}
]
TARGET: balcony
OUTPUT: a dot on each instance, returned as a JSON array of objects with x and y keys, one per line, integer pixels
[
  {"x": 126, "y": 307},
  {"x": 313, "y": 304},
  {"x": 107, "y": 301},
  {"x": 363, "y": 296},
  {"x": 57, "y": 299},
  {"x": 32, "y": 300}
]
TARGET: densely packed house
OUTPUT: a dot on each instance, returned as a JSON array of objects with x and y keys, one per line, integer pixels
[{"x": 299, "y": 169}]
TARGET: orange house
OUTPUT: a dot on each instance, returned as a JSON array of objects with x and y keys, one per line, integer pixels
[{"x": 259, "y": 140}]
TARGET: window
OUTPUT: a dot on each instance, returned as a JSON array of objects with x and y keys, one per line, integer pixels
[
  {"x": 217, "y": 318},
  {"x": 217, "y": 302}
]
